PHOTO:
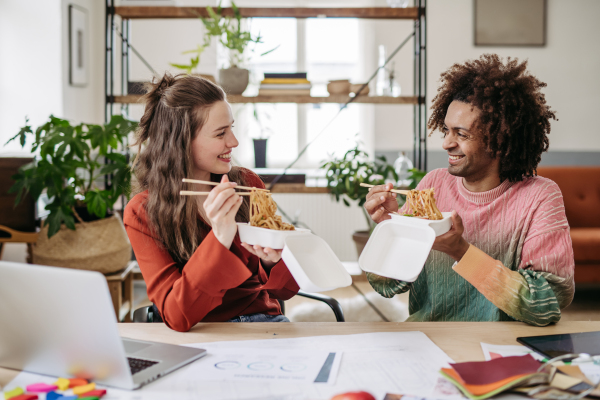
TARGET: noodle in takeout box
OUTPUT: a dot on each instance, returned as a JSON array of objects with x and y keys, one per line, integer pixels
[
  {"x": 399, "y": 247},
  {"x": 310, "y": 260}
]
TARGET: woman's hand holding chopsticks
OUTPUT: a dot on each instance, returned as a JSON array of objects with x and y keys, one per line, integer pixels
[
  {"x": 380, "y": 202},
  {"x": 221, "y": 207}
]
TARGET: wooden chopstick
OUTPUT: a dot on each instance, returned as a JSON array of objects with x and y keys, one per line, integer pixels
[
  {"x": 216, "y": 183},
  {"x": 192, "y": 193},
  {"x": 404, "y": 192}
]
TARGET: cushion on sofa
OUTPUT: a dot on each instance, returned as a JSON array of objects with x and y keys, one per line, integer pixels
[
  {"x": 580, "y": 187},
  {"x": 586, "y": 244}
]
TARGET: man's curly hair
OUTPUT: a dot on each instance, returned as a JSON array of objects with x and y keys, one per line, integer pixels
[{"x": 515, "y": 120}]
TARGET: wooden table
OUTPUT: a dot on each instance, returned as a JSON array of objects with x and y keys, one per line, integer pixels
[{"x": 460, "y": 340}]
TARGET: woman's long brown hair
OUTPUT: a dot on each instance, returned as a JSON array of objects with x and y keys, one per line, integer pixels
[{"x": 176, "y": 109}]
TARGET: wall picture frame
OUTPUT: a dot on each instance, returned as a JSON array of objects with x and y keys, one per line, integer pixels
[
  {"x": 509, "y": 22},
  {"x": 78, "y": 46}
]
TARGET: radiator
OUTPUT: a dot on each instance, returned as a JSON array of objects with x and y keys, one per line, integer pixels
[{"x": 332, "y": 221}]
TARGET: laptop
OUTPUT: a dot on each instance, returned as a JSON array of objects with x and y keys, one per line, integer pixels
[{"x": 61, "y": 322}]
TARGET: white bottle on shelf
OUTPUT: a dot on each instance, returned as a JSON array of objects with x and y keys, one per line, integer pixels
[{"x": 402, "y": 166}]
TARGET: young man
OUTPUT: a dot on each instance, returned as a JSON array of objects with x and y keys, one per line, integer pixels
[{"x": 508, "y": 255}]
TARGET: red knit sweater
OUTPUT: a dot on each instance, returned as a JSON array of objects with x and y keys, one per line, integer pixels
[{"x": 215, "y": 285}]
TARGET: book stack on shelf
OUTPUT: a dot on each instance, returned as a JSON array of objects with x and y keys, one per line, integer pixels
[{"x": 280, "y": 84}]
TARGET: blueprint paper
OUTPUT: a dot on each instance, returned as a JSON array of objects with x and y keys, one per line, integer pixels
[
  {"x": 258, "y": 365},
  {"x": 379, "y": 363}
]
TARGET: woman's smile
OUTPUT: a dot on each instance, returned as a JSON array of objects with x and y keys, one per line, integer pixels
[{"x": 225, "y": 157}]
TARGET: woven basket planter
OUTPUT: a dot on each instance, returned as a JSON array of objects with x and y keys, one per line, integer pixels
[{"x": 100, "y": 245}]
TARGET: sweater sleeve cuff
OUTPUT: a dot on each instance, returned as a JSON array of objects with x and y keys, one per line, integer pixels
[
  {"x": 474, "y": 266},
  {"x": 280, "y": 277},
  {"x": 215, "y": 269}
]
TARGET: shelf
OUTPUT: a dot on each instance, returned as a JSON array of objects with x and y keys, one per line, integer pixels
[
  {"x": 297, "y": 188},
  {"x": 417, "y": 14},
  {"x": 136, "y": 12},
  {"x": 339, "y": 99}
]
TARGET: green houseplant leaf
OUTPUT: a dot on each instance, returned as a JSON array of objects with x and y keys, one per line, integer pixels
[
  {"x": 344, "y": 176},
  {"x": 230, "y": 33},
  {"x": 70, "y": 167}
]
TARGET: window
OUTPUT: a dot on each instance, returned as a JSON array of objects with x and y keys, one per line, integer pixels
[
  {"x": 331, "y": 53},
  {"x": 327, "y": 50}
]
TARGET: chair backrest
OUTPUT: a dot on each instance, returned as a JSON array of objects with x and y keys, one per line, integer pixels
[
  {"x": 10, "y": 235},
  {"x": 580, "y": 187},
  {"x": 22, "y": 217},
  {"x": 146, "y": 314}
]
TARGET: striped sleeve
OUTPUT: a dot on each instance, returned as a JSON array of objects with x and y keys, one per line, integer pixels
[
  {"x": 387, "y": 287},
  {"x": 529, "y": 294},
  {"x": 543, "y": 281}
]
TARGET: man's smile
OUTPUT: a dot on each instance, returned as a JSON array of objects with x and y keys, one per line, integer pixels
[{"x": 455, "y": 159}]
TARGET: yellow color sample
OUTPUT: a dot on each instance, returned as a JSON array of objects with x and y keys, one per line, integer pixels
[
  {"x": 62, "y": 383},
  {"x": 13, "y": 393},
  {"x": 84, "y": 389}
]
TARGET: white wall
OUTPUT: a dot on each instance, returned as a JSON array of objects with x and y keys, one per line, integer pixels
[
  {"x": 30, "y": 65},
  {"x": 569, "y": 64},
  {"x": 85, "y": 104},
  {"x": 34, "y": 60}
]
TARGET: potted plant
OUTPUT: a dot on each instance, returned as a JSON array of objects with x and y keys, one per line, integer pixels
[
  {"x": 231, "y": 34},
  {"x": 194, "y": 61},
  {"x": 344, "y": 176},
  {"x": 83, "y": 172}
]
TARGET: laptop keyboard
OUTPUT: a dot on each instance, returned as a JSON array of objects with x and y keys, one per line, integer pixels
[{"x": 137, "y": 364}]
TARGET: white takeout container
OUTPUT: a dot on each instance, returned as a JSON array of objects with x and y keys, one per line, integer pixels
[
  {"x": 399, "y": 247},
  {"x": 265, "y": 237},
  {"x": 313, "y": 264},
  {"x": 440, "y": 226},
  {"x": 310, "y": 260}
]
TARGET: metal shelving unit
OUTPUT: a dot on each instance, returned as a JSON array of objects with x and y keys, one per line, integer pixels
[{"x": 417, "y": 14}]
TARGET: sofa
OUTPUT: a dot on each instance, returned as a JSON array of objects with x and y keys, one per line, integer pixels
[{"x": 580, "y": 187}]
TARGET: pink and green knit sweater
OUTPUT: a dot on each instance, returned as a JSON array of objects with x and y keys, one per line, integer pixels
[{"x": 520, "y": 263}]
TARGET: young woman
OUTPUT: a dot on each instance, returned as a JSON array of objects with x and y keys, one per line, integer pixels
[{"x": 195, "y": 267}]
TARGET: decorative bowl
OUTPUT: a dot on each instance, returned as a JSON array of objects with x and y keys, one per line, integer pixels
[{"x": 339, "y": 87}]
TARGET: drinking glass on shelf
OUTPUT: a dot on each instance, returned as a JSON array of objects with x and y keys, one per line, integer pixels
[{"x": 383, "y": 83}]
